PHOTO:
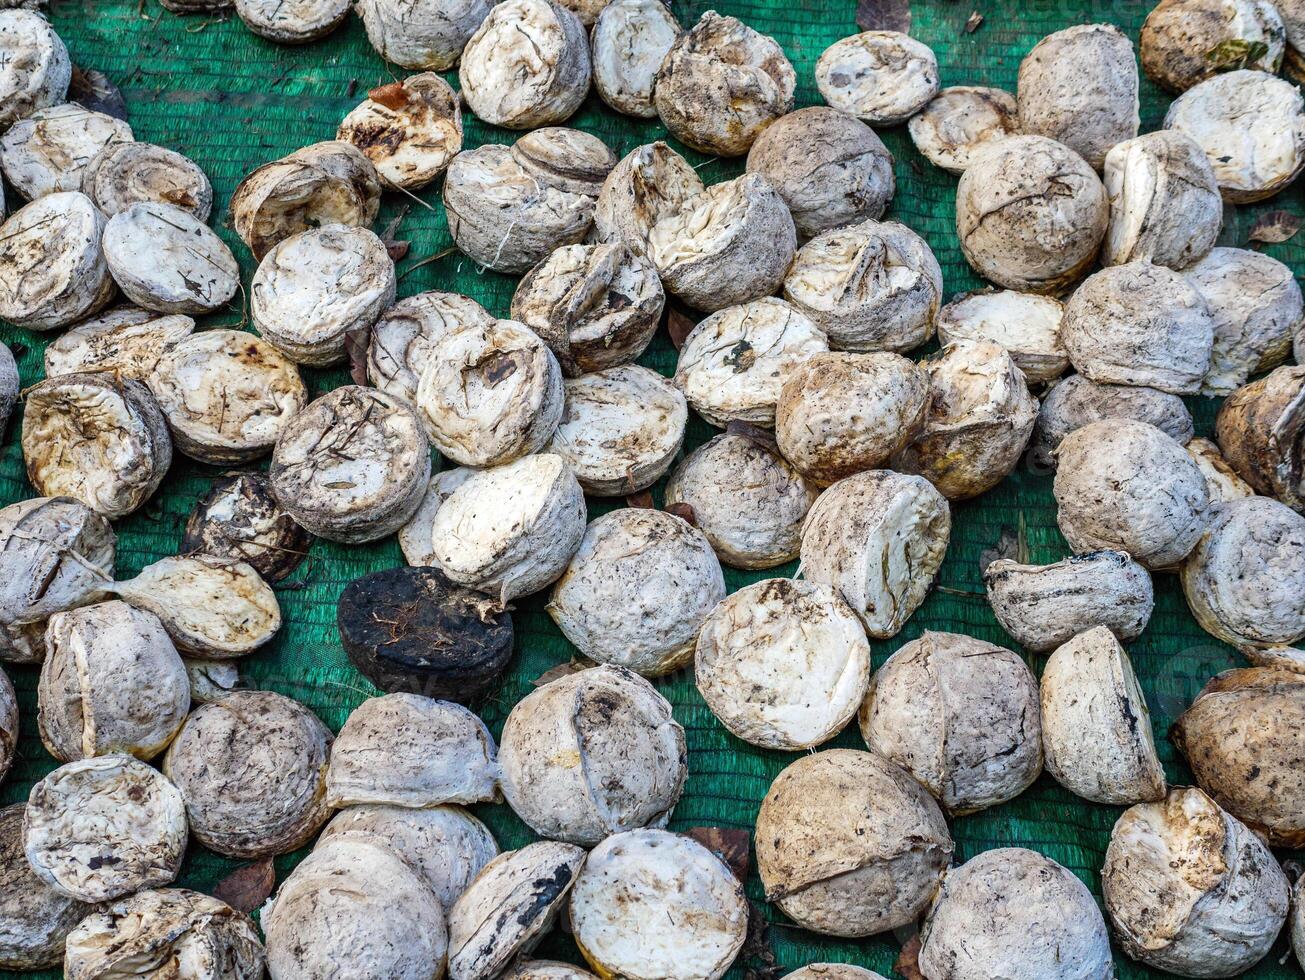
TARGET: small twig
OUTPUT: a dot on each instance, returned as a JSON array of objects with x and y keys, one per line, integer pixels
[{"x": 441, "y": 254}]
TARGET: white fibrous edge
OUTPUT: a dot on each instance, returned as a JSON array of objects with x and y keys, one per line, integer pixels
[
  {"x": 734, "y": 363},
  {"x": 490, "y": 394},
  {"x": 352, "y": 466},
  {"x": 211, "y": 607},
  {"x": 204, "y": 936},
  {"x": 881, "y": 77},
  {"x": 959, "y": 715},
  {"x": 1043, "y": 606},
  {"x": 728, "y": 245},
  {"x": 595, "y": 306},
  {"x": 1124, "y": 485},
  {"x": 1016, "y": 914},
  {"x": 36, "y": 67},
  {"x": 353, "y": 907},
  {"x": 446, "y": 845},
  {"x": 959, "y": 121},
  {"x": 321, "y": 184},
  {"x": 313, "y": 288},
  {"x": 55, "y": 554},
  {"x": 34, "y": 918},
  {"x": 849, "y": 844},
  {"x": 1244, "y": 579},
  {"x": 1257, "y": 308},
  {"x": 125, "y": 341},
  {"x": 415, "y": 537},
  {"x": 721, "y": 84},
  {"x": 817, "y": 433},
  {"x": 252, "y": 769},
  {"x": 112, "y": 682},
  {"x": 871, "y": 286},
  {"x": 227, "y": 394},
  {"x": 210, "y": 680},
  {"x": 50, "y": 150},
  {"x": 568, "y": 159},
  {"x": 1030, "y": 214},
  {"x": 1140, "y": 324},
  {"x": 292, "y": 21},
  {"x": 648, "y": 184},
  {"x": 879, "y": 539},
  {"x": 1220, "y": 478},
  {"x": 980, "y": 417},
  {"x": 829, "y": 168},
  {"x": 637, "y": 590},
  {"x": 52, "y": 268},
  {"x": 421, "y": 37},
  {"x": 746, "y": 498},
  {"x": 651, "y": 904},
  {"x": 1164, "y": 201},
  {"x": 527, "y": 65},
  {"x": 100, "y": 828},
  {"x": 1189, "y": 889},
  {"x": 410, "y": 130},
  {"x": 503, "y": 217},
  {"x": 167, "y": 260},
  {"x": 408, "y": 750},
  {"x": 629, "y": 42},
  {"x": 1026, "y": 324},
  {"x": 1096, "y": 728},
  {"x": 593, "y": 754},
  {"x": 621, "y": 428},
  {"x": 101, "y": 441},
  {"x": 783, "y": 664},
  {"x": 1080, "y": 86},
  {"x": 1252, "y": 127},
  {"x": 409, "y": 332},
  {"x": 509, "y": 907},
  {"x": 510, "y": 530},
  {"x": 1076, "y": 401},
  {"x": 123, "y": 174},
  {"x": 1184, "y": 42}
]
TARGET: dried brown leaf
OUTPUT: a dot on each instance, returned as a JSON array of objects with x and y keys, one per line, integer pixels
[
  {"x": 641, "y": 499},
  {"x": 764, "y": 438},
  {"x": 357, "y": 340},
  {"x": 683, "y": 511},
  {"x": 559, "y": 671},
  {"x": 1273, "y": 227},
  {"x": 92, "y": 90},
  {"x": 728, "y": 844},
  {"x": 908, "y": 961},
  {"x": 884, "y": 15},
  {"x": 678, "y": 324},
  {"x": 392, "y": 96},
  {"x": 973, "y": 22},
  {"x": 247, "y": 888},
  {"x": 757, "y": 956},
  {"x": 395, "y": 246}
]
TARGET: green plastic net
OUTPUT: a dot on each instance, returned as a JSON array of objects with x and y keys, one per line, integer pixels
[{"x": 210, "y": 89}]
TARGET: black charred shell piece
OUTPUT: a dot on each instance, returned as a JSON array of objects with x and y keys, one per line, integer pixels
[
  {"x": 411, "y": 630},
  {"x": 239, "y": 518}
]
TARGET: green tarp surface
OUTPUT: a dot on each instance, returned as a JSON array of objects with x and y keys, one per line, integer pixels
[{"x": 210, "y": 89}]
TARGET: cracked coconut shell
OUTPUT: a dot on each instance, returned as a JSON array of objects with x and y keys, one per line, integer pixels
[
  {"x": 593, "y": 754},
  {"x": 1259, "y": 430},
  {"x": 238, "y": 518},
  {"x": 848, "y": 844},
  {"x": 959, "y": 715},
  {"x": 648, "y": 184}
]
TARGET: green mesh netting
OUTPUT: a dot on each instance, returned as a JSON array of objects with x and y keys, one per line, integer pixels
[{"x": 231, "y": 101}]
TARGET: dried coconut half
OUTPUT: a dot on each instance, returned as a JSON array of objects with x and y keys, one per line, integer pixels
[
  {"x": 97, "y": 439},
  {"x": 881, "y": 77},
  {"x": 34, "y": 918},
  {"x": 409, "y": 750},
  {"x": 427, "y": 36},
  {"x": 408, "y": 333},
  {"x": 51, "y": 150},
  {"x": 961, "y": 120},
  {"x": 593, "y": 754},
  {"x": 167, "y": 260},
  {"x": 292, "y": 21},
  {"x": 650, "y": 904},
  {"x": 415, "y": 538},
  {"x": 312, "y": 289},
  {"x": 211, "y": 607},
  {"x": 227, "y": 395},
  {"x": 104, "y": 827},
  {"x": 252, "y": 769},
  {"x": 621, "y": 429},
  {"x": 1026, "y": 324},
  {"x": 34, "y": 66},
  {"x": 783, "y": 664},
  {"x": 628, "y": 43},
  {"x": 55, "y": 554},
  {"x": 409, "y": 129},
  {"x": 52, "y": 268},
  {"x": 352, "y": 466},
  {"x": 123, "y": 174},
  {"x": 125, "y": 341},
  {"x": 649, "y": 183},
  {"x": 569, "y": 159}
]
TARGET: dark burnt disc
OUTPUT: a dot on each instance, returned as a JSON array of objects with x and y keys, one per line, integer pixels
[
  {"x": 239, "y": 518},
  {"x": 411, "y": 630}
]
